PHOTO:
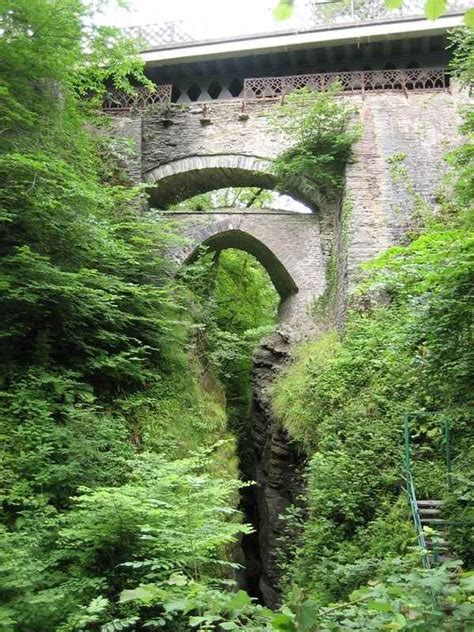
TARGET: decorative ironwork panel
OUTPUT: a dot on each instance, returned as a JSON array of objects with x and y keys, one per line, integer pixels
[
  {"x": 354, "y": 82},
  {"x": 271, "y": 88},
  {"x": 425, "y": 79},
  {"x": 159, "y": 35},
  {"x": 116, "y": 101}
]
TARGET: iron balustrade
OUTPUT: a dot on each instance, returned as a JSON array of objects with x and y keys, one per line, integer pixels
[
  {"x": 273, "y": 88},
  {"x": 142, "y": 98},
  {"x": 314, "y": 16},
  {"x": 415, "y": 513},
  {"x": 356, "y": 82},
  {"x": 408, "y": 466}
]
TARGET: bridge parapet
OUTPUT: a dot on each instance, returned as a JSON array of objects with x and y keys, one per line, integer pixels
[
  {"x": 311, "y": 16},
  {"x": 275, "y": 88}
]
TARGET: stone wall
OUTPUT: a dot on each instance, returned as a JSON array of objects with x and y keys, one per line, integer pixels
[
  {"x": 189, "y": 150},
  {"x": 418, "y": 130}
]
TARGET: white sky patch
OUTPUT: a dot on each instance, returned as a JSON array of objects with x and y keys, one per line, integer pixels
[{"x": 287, "y": 203}]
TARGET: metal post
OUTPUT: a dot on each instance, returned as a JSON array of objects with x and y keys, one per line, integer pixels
[
  {"x": 447, "y": 447},
  {"x": 406, "y": 434}
]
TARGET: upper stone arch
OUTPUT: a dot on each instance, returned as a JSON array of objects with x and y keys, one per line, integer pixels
[{"x": 180, "y": 179}]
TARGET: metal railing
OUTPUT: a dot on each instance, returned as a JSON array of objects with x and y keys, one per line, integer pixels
[
  {"x": 415, "y": 513},
  {"x": 311, "y": 16},
  {"x": 412, "y": 499},
  {"x": 274, "y": 88},
  {"x": 159, "y": 35},
  {"x": 117, "y": 102},
  {"x": 366, "y": 11},
  {"x": 355, "y": 82}
]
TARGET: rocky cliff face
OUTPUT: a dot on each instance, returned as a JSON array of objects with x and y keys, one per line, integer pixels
[{"x": 276, "y": 468}]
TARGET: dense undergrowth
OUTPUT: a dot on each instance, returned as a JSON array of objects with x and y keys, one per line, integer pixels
[
  {"x": 110, "y": 425},
  {"x": 118, "y": 477}
]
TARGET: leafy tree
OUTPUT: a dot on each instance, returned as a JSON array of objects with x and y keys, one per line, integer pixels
[
  {"x": 320, "y": 127},
  {"x": 94, "y": 337}
]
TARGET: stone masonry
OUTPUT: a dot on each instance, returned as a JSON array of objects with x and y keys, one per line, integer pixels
[
  {"x": 185, "y": 150},
  {"x": 287, "y": 244}
]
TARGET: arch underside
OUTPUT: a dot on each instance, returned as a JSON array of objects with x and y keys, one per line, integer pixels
[
  {"x": 281, "y": 278},
  {"x": 180, "y": 187},
  {"x": 181, "y": 179}
]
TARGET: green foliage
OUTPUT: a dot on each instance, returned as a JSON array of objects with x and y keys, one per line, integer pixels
[
  {"x": 231, "y": 329},
  {"x": 435, "y": 8},
  {"x": 82, "y": 281},
  {"x": 344, "y": 399},
  {"x": 469, "y": 18},
  {"x": 283, "y": 10},
  {"x": 52, "y": 53},
  {"x": 459, "y": 509},
  {"x": 167, "y": 528},
  {"x": 235, "y": 197},
  {"x": 56, "y": 436},
  {"x": 393, "y": 4},
  {"x": 462, "y": 62},
  {"x": 462, "y": 158},
  {"x": 323, "y": 136},
  {"x": 84, "y": 293},
  {"x": 96, "y": 359},
  {"x": 160, "y": 539},
  {"x": 408, "y": 598}
]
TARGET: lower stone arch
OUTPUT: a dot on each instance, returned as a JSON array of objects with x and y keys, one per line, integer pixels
[
  {"x": 281, "y": 278},
  {"x": 181, "y": 179},
  {"x": 287, "y": 245}
]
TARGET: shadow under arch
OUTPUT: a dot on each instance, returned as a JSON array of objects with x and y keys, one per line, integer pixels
[
  {"x": 281, "y": 278},
  {"x": 178, "y": 180}
]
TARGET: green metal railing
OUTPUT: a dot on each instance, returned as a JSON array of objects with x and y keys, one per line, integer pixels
[
  {"x": 410, "y": 482},
  {"x": 420, "y": 534}
]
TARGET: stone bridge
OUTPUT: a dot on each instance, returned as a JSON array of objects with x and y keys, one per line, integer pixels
[
  {"x": 183, "y": 150},
  {"x": 287, "y": 244},
  {"x": 408, "y": 110}
]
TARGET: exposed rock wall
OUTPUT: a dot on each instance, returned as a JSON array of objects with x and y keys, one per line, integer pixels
[{"x": 276, "y": 465}]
